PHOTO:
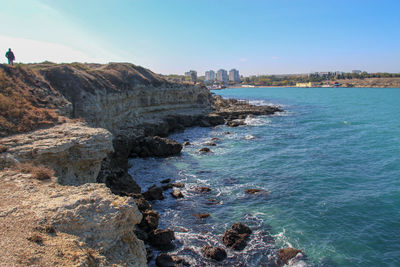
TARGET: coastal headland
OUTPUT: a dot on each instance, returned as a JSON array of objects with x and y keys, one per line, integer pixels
[{"x": 67, "y": 131}]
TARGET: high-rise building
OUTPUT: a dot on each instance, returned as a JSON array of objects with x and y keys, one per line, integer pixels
[
  {"x": 222, "y": 76},
  {"x": 210, "y": 76},
  {"x": 192, "y": 74},
  {"x": 234, "y": 76}
]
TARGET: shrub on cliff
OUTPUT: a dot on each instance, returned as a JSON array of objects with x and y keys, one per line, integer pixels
[
  {"x": 24, "y": 105},
  {"x": 38, "y": 172}
]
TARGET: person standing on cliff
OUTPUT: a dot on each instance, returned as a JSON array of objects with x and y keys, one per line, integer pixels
[{"x": 10, "y": 56}]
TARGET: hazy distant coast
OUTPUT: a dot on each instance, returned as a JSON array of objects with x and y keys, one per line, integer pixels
[{"x": 359, "y": 83}]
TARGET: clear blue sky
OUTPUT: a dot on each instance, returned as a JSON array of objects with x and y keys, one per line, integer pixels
[{"x": 173, "y": 36}]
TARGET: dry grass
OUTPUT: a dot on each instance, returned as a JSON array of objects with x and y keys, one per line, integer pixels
[
  {"x": 38, "y": 172},
  {"x": 22, "y": 109}
]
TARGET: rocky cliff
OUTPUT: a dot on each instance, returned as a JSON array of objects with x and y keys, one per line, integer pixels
[
  {"x": 43, "y": 223},
  {"x": 119, "y": 96},
  {"x": 119, "y": 105},
  {"x": 73, "y": 150}
]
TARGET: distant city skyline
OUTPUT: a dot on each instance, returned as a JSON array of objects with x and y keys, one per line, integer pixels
[{"x": 170, "y": 37}]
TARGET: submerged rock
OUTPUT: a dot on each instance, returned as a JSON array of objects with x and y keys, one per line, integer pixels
[
  {"x": 236, "y": 236},
  {"x": 205, "y": 150},
  {"x": 201, "y": 215},
  {"x": 215, "y": 139},
  {"x": 256, "y": 191},
  {"x": 210, "y": 144},
  {"x": 162, "y": 238},
  {"x": 186, "y": 143},
  {"x": 214, "y": 253}
]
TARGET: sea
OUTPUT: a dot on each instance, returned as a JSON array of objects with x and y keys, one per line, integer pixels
[{"x": 329, "y": 165}]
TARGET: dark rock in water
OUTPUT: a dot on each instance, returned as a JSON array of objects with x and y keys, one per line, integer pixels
[
  {"x": 186, "y": 143},
  {"x": 214, "y": 119},
  {"x": 215, "y": 139},
  {"x": 166, "y": 187},
  {"x": 161, "y": 238},
  {"x": 165, "y": 260},
  {"x": 201, "y": 215},
  {"x": 236, "y": 236},
  {"x": 121, "y": 183},
  {"x": 241, "y": 228},
  {"x": 141, "y": 234},
  {"x": 210, "y": 144},
  {"x": 203, "y": 189},
  {"x": 205, "y": 150},
  {"x": 150, "y": 220},
  {"x": 149, "y": 254},
  {"x": 154, "y": 193},
  {"x": 178, "y": 184},
  {"x": 141, "y": 203},
  {"x": 235, "y": 123},
  {"x": 157, "y": 147},
  {"x": 204, "y": 123},
  {"x": 177, "y": 193},
  {"x": 214, "y": 253},
  {"x": 213, "y": 201},
  {"x": 253, "y": 191},
  {"x": 166, "y": 181},
  {"x": 286, "y": 254},
  {"x": 227, "y": 133}
]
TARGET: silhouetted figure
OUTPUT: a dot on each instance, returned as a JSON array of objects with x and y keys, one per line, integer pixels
[{"x": 10, "y": 56}]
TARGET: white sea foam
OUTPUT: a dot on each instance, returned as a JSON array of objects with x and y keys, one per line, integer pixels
[
  {"x": 257, "y": 121},
  {"x": 263, "y": 103}
]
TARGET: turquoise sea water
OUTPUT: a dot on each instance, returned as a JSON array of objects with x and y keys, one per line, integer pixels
[{"x": 331, "y": 165}]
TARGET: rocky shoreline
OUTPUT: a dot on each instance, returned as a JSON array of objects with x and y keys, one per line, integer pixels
[
  {"x": 230, "y": 112},
  {"x": 123, "y": 111}
]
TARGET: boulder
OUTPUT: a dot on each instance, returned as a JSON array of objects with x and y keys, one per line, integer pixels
[
  {"x": 161, "y": 238},
  {"x": 176, "y": 193},
  {"x": 254, "y": 191},
  {"x": 210, "y": 144},
  {"x": 205, "y": 150},
  {"x": 186, "y": 143},
  {"x": 214, "y": 253},
  {"x": 141, "y": 203},
  {"x": 149, "y": 221},
  {"x": 235, "y": 123},
  {"x": 178, "y": 184},
  {"x": 157, "y": 147},
  {"x": 165, "y": 260},
  {"x": 166, "y": 181},
  {"x": 286, "y": 254},
  {"x": 203, "y": 189},
  {"x": 236, "y": 237},
  {"x": 154, "y": 193},
  {"x": 201, "y": 215}
]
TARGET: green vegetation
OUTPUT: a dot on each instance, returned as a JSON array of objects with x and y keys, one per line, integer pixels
[{"x": 291, "y": 80}]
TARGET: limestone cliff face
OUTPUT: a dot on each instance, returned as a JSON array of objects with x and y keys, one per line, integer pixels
[
  {"x": 120, "y": 95},
  {"x": 73, "y": 150},
  {"x": 83, "y": 225}
]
